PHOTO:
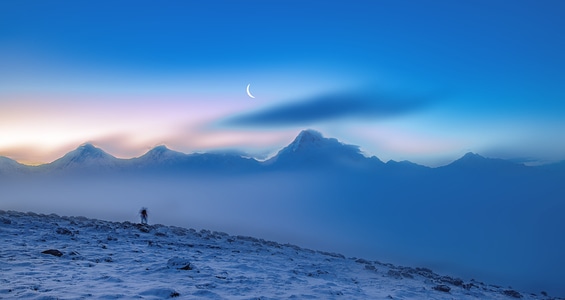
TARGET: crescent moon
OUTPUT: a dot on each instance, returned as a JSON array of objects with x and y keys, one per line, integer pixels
[{"x": 248, "y": 92}]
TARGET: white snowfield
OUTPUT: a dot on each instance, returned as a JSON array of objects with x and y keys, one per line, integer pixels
[{"x": 53, "y": 257}]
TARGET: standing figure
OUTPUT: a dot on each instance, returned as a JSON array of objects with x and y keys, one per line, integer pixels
[{"x": 143, "y": 214}]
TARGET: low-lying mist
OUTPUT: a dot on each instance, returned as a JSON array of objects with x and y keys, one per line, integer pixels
[{"x": 507, "y": 233}]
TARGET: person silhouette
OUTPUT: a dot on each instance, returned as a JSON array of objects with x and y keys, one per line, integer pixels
[{"x": 143, "y": 214}]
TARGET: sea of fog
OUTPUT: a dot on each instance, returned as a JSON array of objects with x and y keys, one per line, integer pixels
[{"x": 510, "y": 234}]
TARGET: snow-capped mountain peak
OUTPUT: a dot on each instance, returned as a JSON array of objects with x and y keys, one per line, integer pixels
[
  {"x": 311, "y": 148},
  {"x": 307, "y": 138},
  {"x": 89, "y": 150},
  {"x": 162, "y": 153},
  {"x": 313, "y": 142},
  {"x": 86, "y": 155},
  {"x": 475, "y": 161}
]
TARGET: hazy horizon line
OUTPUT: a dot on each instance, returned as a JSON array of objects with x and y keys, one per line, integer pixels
[{"x": 241, "y": 153}]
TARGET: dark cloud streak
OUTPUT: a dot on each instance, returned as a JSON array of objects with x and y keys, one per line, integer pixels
[{"x": 331, "y": 107}]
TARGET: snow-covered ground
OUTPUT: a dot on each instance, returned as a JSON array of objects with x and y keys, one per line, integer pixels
[{"x": 109, "y": 260}]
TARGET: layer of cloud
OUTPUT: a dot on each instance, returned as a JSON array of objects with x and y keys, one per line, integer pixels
[{"x": 331, "y": 107}]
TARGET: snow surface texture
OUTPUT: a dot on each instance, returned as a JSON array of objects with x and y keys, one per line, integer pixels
[{"x": 52, "y": 257}]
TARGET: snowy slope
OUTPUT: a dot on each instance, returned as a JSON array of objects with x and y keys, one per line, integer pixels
[
  {"x": 10, "y": 166},
  {"x": 160, "y": 155},
  {"x": 52, "y": 257}
]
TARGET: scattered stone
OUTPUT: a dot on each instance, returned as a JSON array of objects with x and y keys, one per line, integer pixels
[
  {"x": 452, "y": 281},
  {"x": 64, "y": 231},
  {"x": 370, "y": 268},
  {"x": 331, "y": 254},
  {"x": 178, "y": 231},
  {"x": 394, "y": 274},
  {"x": 363, "y": 261},
  {"x": 318, "y": 273},
  {"x": 442, "y": 288},
  {"x": 512, "y": 293},
  {"x": 143, "y": 228},
  {"x": 180, "y": 264},
  {"x": 427, "y": 273},
  {"x": 468, "y": 286},
  {"x": 424, "y": 270},
  {"x": 5, "y": 221},
  {"x": 273, "y": 244},
  {"x": 53, "y": 252},
  {"x": 174, "y": 295}
]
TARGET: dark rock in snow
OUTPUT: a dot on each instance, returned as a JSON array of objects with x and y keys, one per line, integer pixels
[
  {"x": 363, "y": 261},
  {"x": 512, "y": 293},
  {"x": 174, "y": 295},
  {"x": 468, "y": 286},
  {"x": 442, "y": 288},
  {"x": 53, "y": 252},
  {"x": 370, "y": 268},
  {"x": 180, "y": 264},
  {"x": 5, "y": 221},
  {"x": 452, "y": 281},
  {"x": 143, "y": 228},
  {"x": 331, "y": 254},
  {"x": 64, "y": 231},
  {"x": 394, "y": 274}
]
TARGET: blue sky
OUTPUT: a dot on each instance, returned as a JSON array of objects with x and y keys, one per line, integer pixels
[{"x": 481, "y": 76}]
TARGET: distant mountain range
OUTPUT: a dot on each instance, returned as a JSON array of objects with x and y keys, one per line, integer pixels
[
  {"x": 476, "y": 217},
  {"x": 308, "y": 150}
]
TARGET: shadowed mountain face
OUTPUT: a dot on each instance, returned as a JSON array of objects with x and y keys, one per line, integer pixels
[{"x": 476, "y": 217}]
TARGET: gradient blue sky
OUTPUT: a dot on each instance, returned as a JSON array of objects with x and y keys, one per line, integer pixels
[{"x": 425, "y": 81}]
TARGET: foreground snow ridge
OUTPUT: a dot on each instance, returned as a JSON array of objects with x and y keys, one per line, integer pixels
[{"x": 53, "y": 257}]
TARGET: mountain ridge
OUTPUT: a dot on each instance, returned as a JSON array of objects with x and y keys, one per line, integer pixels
[{"x": 310, "y": 149}]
